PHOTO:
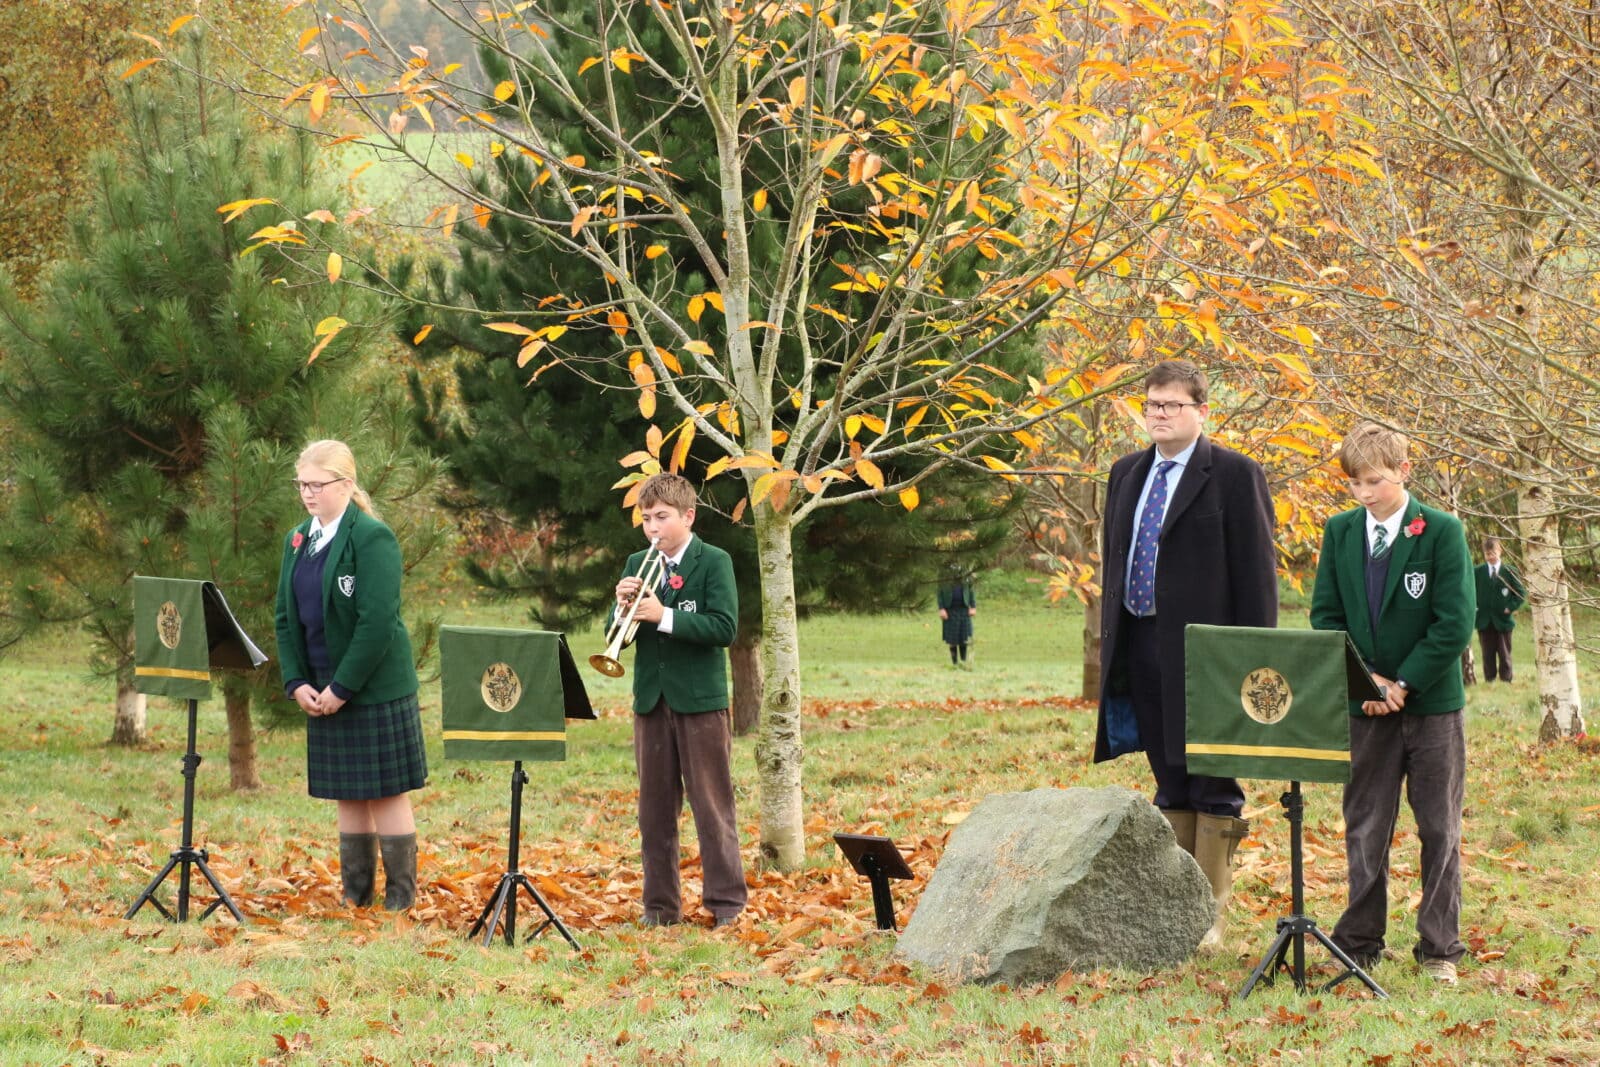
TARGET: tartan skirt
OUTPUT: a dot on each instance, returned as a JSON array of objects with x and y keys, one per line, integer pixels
[{"x": 366, "y": 751}]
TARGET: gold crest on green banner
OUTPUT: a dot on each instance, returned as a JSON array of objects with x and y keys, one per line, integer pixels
[
  {"x": 182, "y": 631},
  {"x": 508, "y": 693},
  {"x": 1265, "y": 703}
]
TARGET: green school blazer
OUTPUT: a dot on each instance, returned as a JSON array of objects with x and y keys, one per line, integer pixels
[
  {"x": 689, "y": 666},
  {"x": 1498, "y": 597},
  {"x": 1425, "y": 620},
  {"x": 367, "y": 639}
]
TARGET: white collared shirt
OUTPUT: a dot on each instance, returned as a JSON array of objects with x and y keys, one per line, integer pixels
[
  {"x": 1391, "y": 525},
  {"x": 665, "y": 625},
  {"x": 328, "y": 532},
  {"x": 1174, "y": 473}
]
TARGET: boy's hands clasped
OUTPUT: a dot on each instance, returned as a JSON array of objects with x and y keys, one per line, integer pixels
[{"x": 1394, "y": 698}]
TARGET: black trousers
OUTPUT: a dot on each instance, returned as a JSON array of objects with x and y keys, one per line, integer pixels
[
  {"x": 1496, "y": 653},
  {"x": 1176, "y": 788}
]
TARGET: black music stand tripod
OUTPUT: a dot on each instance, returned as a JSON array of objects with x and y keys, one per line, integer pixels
[
  {"x": 186, "y": 857},
  {"x": 504, "y": 900},
  {"x": 1293, "y": 929}
]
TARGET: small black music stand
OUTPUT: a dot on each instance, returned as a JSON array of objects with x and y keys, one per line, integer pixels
[
  {"x": 186, "y": 855},
  {"x": 504, "y": 901},
  {"x": 878, "y": 860},
  {"x": 184, "y": 630}
]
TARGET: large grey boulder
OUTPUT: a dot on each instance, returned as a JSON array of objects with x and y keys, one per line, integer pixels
[{"x": 1035, "y": 884}]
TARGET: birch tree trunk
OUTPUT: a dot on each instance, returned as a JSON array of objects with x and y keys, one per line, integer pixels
[
  {"x": 1555, "y": 648},
  {"x": 1538, "y": 518},
  {"x": 129, "y": 727},
  {"x": 778, "y": 751}
]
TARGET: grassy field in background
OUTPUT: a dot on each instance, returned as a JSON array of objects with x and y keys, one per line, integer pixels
[{"x": 897, "y": 743}]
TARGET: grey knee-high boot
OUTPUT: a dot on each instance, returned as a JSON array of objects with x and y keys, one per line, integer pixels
[
  {"x": 399, "y": 870},
  {"x": 358, "y": 867}
]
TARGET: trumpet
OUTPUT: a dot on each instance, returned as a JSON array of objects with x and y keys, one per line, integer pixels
[{"x": 624, "y": 625}]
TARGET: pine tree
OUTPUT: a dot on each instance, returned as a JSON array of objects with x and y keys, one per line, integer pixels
[
  {"x": 161, "y": 387},
  {"x": 541, "y": 454}
]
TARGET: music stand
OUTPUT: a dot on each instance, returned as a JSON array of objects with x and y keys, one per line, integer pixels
[
  {"x": 184, "y": 630},
  {"x": 878, "y": 860},
  {"x": 1242, "y": 687},
  {"x": 507, "y": 696}
]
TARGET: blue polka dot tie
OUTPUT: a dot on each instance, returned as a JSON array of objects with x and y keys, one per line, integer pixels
[{"x": 1141, "y": 597}]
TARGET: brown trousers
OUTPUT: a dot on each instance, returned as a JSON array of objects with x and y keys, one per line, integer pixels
[
  {"x": 1428, "y": 754},
  {"x": 677, "y": 755}
]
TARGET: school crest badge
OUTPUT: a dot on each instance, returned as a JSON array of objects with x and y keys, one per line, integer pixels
[
  {"x": 501, "y": 688},
  {"x": 1415, "y": 584},
  {"x": 1266, "y": 696},
  {"x": 686, "y": 605},
  {"x": 169, "y": 624},
  {"x": 347, "y": 584}
]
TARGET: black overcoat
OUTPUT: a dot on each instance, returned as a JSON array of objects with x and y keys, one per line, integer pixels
[{"x": 1216, "y": 564}]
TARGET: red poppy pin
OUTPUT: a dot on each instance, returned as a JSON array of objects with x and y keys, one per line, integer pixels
[
  {"x": 1415, "y": 526},
  {"x": 676, "y": 581},
  {"x": 297, "y": 539}
]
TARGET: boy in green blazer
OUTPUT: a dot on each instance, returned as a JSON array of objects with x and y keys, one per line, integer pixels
[
  {"x": 682, "y": 735},
  {"x": 1397, "y": 576},
  {"x": 1500, "y": 594}
]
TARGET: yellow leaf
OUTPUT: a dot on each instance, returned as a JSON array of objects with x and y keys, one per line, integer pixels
[
  {"x": 633, "y": 459},
  {"x": 680, "y": 454},
  {"x": 335, "y": 266},
  {"x": 331, "y": 324},
  {"x": 554, "y": 333},
  {"x": 307, "y": 35},
  {"x": 586, "y": 64},
  {"x": 647, "y": 403},
  {"x": 236, "y": 208},
  {"x": 465, "y": 160},
  {"x": 178, "y": 23},
  {"x": 137, "y": 67},
  {"x": 319, "y": 102},
  {"x": 504, "y": 91},
  {"x": 852, "y": 426},
  {"x": 422, "y": 334},
  {"x": 717, "y": 467},
  {"x": 870, "y": 473},
  {"x": 910, "y": 498},
  {"x": 916, "y": 417},
  {"x": 509, "y": 327},
  {"x": 697, "y": 307},
  {"x": 654, "y": 250},
  {"x": 699, "y": 348},
  {"x": 797, "y": 97},
  {"x": 714, "y": 298},
  {"x": 759, "y": 201}
]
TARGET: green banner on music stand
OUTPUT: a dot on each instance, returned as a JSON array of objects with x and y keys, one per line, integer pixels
[
  {"x": 182, "y": 630},
  {"x": 508, "y": 693},
  {"x": 1267, "y": 703}
]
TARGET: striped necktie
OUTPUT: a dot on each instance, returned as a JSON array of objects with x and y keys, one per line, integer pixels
[{"x": 1380, "y": 541}]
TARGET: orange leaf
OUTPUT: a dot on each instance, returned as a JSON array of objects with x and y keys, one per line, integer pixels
[
  {"x": 137, "y": 67},
  {"x": 910, "y": 498},
  {"x": 178, "y": 23},
  {"x": 422, "y": 334},
  {"x": 680, "y": 454}
]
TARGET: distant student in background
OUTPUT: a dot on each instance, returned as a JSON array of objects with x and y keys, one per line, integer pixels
[
  {"x": 1500, "y": 594},
  {"x": 958, "y": 603}
]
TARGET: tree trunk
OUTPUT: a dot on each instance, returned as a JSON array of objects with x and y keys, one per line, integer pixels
[
  {"x": 1554, "y": 648},
  {"x": 779, "y": 753},
  {"x": 1091, "y": 649},
  {"x": 744, "y": 655},
  {"x": 129, "y": 727},
  {"x": 243, "y": 772}
]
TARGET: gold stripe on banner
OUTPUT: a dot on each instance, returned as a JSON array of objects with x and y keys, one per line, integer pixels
[
  {"x": 505, "y": 735},
  {"x": 1266, "y": 750},
  {"x": 171, "y": 672}
]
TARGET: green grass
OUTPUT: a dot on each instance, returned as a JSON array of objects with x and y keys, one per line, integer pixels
[{"x": 896, "y": 743}]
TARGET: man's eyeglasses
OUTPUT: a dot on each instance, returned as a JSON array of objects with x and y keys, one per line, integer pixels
[
  {"x": 1168, "y": 407},
  {"x": 314, "y": 487}
]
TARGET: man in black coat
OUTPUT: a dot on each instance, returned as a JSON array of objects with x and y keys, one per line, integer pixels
[{"x": 1187, "y": 538}]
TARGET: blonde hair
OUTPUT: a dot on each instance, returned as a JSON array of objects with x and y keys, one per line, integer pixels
[
  {"x": 673, "y": 490},
  {"x": 1370, "y": 447},
  {"x": 336, "y": 458}
]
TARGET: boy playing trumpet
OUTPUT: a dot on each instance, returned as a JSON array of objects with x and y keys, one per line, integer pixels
[{"x": 682, "y": 735}]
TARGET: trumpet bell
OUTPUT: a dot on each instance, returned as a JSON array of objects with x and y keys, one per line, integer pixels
[{"x": 607, "y": 666}]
